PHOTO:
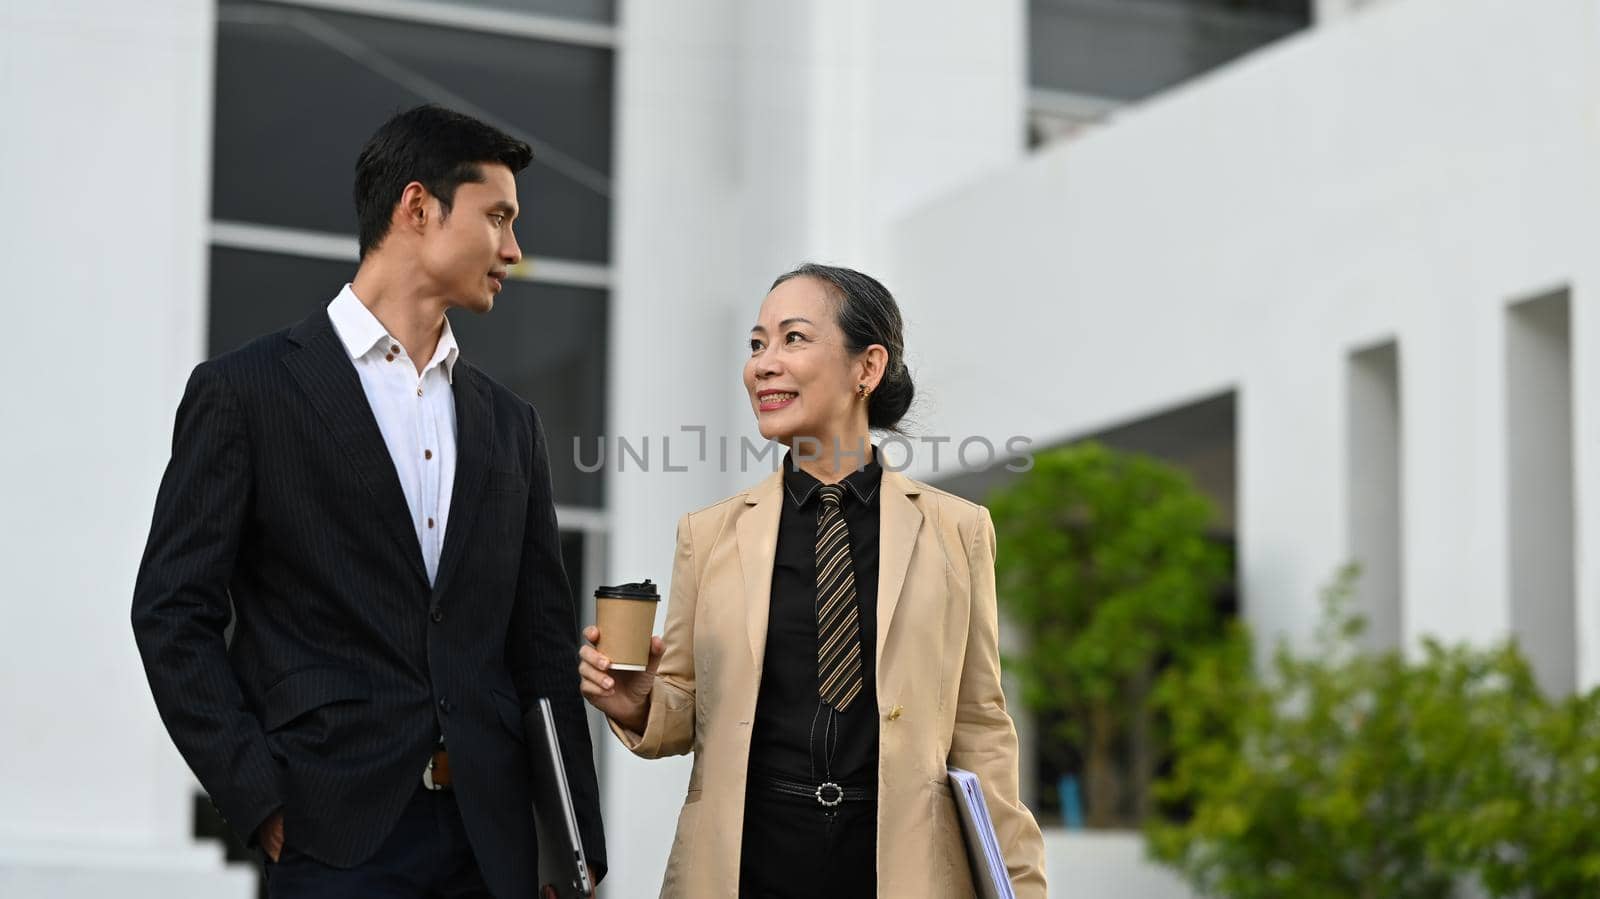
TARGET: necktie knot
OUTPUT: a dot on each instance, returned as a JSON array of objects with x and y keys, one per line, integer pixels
[{"x": 831, "y": 494}]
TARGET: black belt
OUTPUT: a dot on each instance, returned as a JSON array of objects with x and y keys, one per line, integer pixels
[{"x": 825, "y": 794}]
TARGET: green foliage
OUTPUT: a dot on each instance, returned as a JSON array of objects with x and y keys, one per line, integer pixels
[
  {"x": 1529, "y": 820},
  {"x": 1349, "y": 773},
  {"x": 1106, "y": 566}
]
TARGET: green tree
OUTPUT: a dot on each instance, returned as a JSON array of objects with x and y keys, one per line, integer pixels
[
  {"x": 1345, "y": 773},
  {"x": 1106, "y": 565},
  {"x": 1529, "y": 818}
]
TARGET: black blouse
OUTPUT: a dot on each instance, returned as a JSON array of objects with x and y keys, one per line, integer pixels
[{"x": 796, "y": 736}]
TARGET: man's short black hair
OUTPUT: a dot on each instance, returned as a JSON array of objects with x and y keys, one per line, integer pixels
[{"x": 432, "y": 145}]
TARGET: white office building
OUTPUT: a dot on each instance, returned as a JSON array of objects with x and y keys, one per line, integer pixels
[{"x": 1337, "y": 258}]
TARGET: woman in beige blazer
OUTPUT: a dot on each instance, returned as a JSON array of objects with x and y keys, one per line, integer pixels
[{"x": 831, "y": 640}]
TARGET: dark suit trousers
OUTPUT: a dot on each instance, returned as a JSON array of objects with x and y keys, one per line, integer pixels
[
  {"x": 796, "y": 848},
  {"x": 426, "y": 856}
]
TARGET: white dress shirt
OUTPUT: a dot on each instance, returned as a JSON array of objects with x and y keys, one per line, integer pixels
[{"x": 416, "y": 413}]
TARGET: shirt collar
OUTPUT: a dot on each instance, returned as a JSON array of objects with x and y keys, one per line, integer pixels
[
  {"x": 360, "y": 332},
  {"x": 447, "y": 352},
  {"x": 862, "y": 483}
]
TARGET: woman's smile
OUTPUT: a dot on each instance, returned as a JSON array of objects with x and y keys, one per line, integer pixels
[{"x": 773, "y": 400}]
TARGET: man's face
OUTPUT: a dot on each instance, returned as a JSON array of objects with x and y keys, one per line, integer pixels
[{"x": 466, "y": 254}]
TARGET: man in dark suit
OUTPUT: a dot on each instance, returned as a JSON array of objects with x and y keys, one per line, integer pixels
[{"x": 374, "y": 515}]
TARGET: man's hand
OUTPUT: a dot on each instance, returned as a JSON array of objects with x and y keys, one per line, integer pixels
[{"x": 270, "y": 834}]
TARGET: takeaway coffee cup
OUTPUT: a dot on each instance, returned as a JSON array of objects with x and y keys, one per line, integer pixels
[{"x": 627, "y": 615}]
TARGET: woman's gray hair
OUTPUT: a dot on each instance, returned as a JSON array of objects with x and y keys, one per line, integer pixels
[{"x": 867, "y": 314}]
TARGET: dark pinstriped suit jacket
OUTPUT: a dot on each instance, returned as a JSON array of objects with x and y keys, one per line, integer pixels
[{"x": 344, "y": 664}]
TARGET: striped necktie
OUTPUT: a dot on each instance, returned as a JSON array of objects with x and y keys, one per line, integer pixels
[{"x": 838, "y": 622}]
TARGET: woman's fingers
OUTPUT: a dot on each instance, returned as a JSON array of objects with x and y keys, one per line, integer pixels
[
  {"x": 592, "y": 656},
  {"x": 593, "y": 675},
  {"x": 594, "y": 683},
  {"x": 596, "y": 694}
]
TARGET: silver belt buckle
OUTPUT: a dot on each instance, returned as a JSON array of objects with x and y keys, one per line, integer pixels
[{"x": 838, "y": 795}]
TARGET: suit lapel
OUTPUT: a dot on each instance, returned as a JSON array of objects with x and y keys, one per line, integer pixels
[
  {"x": 322, "y": 368},
  {"x": 474, "y": 448},
  {"x": 900, "y": 519},
  {"x": 758, "y": 547}
]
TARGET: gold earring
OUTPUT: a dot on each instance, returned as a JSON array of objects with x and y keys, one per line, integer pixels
[{"x": 863, "y": 390}]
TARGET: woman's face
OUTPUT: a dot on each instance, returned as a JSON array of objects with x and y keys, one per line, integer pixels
[{"x": 800, "y": 376}]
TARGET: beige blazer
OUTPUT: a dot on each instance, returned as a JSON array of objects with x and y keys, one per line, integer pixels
[{"x": 938, "y": 690}]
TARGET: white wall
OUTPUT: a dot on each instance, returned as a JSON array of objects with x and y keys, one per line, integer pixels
[
  {"x": 850, "y": 115},
  {"x": 1405, "y": 175},
  {"x": 853, "y": 114},
  {"x": 1106, "y": 865},
  {"x": 108, "y": 113}
]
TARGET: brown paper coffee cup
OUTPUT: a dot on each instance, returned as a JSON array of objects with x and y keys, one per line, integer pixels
[{"x": 626, "y": 616}]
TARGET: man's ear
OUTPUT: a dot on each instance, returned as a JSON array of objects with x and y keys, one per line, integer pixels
[{"x": 413, "y": 209}]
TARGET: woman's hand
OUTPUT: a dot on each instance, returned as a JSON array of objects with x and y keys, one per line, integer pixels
[{"x": 624, "y": 696}]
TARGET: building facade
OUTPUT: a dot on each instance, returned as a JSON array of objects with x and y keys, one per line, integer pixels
[{"x": 1335, "y": 258}]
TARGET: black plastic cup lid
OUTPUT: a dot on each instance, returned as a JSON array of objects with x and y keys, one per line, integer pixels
[{"x": 644, "y": 591}]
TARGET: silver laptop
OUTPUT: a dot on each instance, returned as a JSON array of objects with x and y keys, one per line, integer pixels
[{"x": 561, "y": 860}]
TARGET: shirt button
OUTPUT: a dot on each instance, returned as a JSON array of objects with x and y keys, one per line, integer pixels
[
  {"x": 419, "y": 391},
  {"x": 427, "y": 454},
  {"x": 437, "y": 616},
  {"x": 430, "y": 522},
  {"x": 394, "y": 348},
  {"x": 444, "y": 706},
  {"x": 388, "y": 357}
]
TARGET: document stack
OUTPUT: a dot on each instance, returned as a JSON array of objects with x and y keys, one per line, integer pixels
[{"x": 983, "y": 847}]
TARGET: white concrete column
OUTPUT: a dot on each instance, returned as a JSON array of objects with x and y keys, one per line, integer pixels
[
  {"x": 108, "y": 110},
  {"x": 1454, "y": 470},
  {"x": 1586, "y": 472},
  {"x": 854, "y": 114},
  {"x": 674, "y": 357},
  {"x": 1291, "y": 533},
  {"x": 1585, "y": 287}
]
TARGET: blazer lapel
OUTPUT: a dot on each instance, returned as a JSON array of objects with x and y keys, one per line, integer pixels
[
  {"x": 899, "y": 521},
  {"x": 758, "y": 547},
  {"x": 326, "y": 376},
  {"x": 474, "y": 448}
]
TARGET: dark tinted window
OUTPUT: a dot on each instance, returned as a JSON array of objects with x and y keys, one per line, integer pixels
[
  {"x": 548, "y": 343},
  {"x": 603, "y": 11},
  {"x": 1124, "y": 50},
  {"x": 300, "y": 91},
  {"x": 572, "y": 560}
]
